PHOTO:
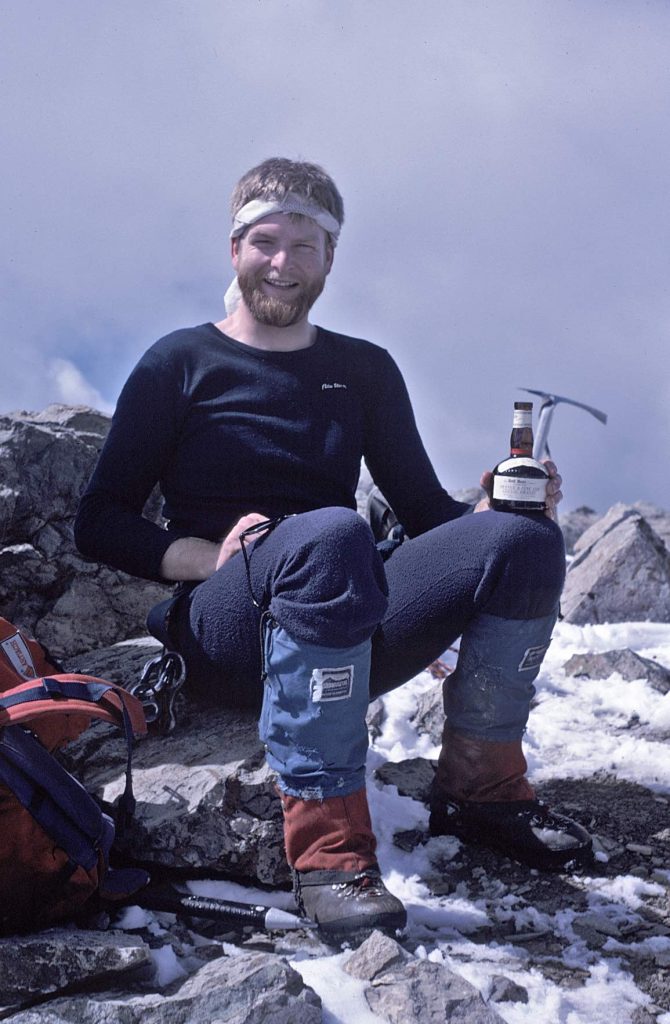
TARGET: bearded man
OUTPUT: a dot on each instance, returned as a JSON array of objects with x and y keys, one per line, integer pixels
[{"x": 254, "y": 427}]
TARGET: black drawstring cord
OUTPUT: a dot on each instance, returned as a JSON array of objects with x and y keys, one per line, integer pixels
[
  {"x": 266, "y": 618},
  {"x": 265, "y": 527}
]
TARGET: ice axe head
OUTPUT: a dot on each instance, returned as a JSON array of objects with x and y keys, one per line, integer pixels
[{"x": 549, "y": 403}]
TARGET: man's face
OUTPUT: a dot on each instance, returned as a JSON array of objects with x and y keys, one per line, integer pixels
[{"x": 281, "y": 263}]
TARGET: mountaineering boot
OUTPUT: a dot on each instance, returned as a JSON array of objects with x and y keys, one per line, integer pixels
[
  {"x": 330, "y": 847},
  {"x": 480, "y": 794},
  {"x": 347, "y": 904},
  {"x": 316, "y": 740},
  {"x": 525, "y": 830}
]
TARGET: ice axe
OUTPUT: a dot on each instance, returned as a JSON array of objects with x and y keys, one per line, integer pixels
[
  {"x": 170, "y": 899},
  {"x": 549, "y": 403}
]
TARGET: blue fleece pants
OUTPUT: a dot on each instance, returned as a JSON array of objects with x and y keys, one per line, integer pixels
[{"x": 493, "y": 578}]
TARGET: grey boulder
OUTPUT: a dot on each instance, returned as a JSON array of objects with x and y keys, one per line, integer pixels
[{"x": 621, "y": 572}]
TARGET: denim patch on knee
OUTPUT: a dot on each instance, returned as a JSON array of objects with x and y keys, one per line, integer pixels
[
  {"x": 313, "y": 717},
  {"x": 489, "y": 693}
]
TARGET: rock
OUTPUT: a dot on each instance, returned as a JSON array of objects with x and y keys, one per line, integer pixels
[
  {"x": 641, "y": 848},
  {"x": 251, "y": 988},
  {"x": 658, "y": 518},
  {"x": 422, "y": 992},
  {"x": 413, "y": 776},
  {"x": 366, "y": 490},
  {"x": 202, "y": 802},
  {"x": 602, "y": 923},
  {"x": 574, "y": 524},
  {"x": 621, "y": 572},
  {"x": 429, "y": 715},
  {"x": 406, "y": 990},
  {"x": 624, "y": 662},
  {"x": 70, "y": 604},
  {"x": 36, "y": 965},
  {"x": 121, "y": 663},
  {"x": 363, "y": 491},
  {"x": 79, "y": 417},
  {"x": 97, "y": 607},
  {"x": 378, "y": 953},
  {"x": 205, "y": 796},
  {"x": 641, "y": 1015},
  {"x": 375, "y": 718},
  {"x": 504, "y": 990}
]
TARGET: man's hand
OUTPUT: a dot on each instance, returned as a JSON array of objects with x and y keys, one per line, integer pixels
[
  {"x": 192, "y": 558},
  {"x": 231, "y": 544},
  {"x": 554, "y": 493}
]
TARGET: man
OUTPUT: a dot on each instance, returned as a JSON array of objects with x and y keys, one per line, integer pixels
[{"x": 255, "y": 428}]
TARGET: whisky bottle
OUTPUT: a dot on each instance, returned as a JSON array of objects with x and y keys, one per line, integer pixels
[{"x": 520, "y": 482}]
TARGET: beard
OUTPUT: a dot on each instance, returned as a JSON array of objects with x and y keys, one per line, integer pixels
[{"x": 274, "y": 311}]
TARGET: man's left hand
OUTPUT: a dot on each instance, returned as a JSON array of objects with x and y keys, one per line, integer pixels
[{"x": 554, "y": 493}]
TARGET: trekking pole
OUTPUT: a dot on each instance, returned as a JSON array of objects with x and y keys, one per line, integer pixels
[{"x": 246, "y": 914}]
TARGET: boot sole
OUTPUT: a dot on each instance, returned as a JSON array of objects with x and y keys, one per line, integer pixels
[{"x": 358, "y": 928}]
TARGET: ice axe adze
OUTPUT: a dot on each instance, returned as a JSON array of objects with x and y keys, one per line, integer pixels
[{"x": 549, "y": 403}]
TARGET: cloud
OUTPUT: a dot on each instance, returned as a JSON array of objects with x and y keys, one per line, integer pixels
[
  {"x": 503, "y": 170},
  {"x": 72, "y": 388}
]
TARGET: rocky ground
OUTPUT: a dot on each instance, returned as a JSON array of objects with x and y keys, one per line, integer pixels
[
  {"x": 518, "y": 924},
  {"x": 632, "y": 827},
  {"x": 550, "y": 921}
]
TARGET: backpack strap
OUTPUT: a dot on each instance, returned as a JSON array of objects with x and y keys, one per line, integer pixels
[
  {"x": 71, "y": 693},
  {"x": 54, "y": 798},
  {"x": 65, "y": 811}
]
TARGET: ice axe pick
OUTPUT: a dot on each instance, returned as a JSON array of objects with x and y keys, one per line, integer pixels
[{"x": 549, "y": 403}]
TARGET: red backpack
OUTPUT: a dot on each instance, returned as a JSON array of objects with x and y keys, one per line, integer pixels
[{"x": 55, "y": 839}]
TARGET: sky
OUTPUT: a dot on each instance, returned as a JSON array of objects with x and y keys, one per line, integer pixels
[{"x": 504, "y": 167}]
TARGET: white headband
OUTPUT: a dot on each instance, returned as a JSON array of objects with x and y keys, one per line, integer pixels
[{"x": 256, "y": 209}]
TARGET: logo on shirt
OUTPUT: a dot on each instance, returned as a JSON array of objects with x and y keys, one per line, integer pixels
[{"x": 333, "y": 387}]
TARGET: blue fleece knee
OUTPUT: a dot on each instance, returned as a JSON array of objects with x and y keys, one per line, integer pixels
[
  {"x": 313, "y": 717},
  {"x": 489, "y": 693}
]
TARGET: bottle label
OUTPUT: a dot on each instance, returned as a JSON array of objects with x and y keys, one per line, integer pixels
[
  {"x": 519, "y": 488},
  {"x": 522, "y": 418},
  {"x": 529, "y": 487}
]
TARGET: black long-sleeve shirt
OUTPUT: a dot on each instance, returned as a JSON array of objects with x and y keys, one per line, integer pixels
[{"x": 227, "y": 429}]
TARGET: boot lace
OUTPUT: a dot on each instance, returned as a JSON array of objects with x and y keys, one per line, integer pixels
[{"x": 366, "y": 883}]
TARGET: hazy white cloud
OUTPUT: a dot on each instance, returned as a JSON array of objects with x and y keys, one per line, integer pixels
[
  {"x": 72, "y": 388},
  {"x": 504, "y": 174}
]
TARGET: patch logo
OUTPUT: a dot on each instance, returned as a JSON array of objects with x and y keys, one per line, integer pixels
[
  {"x": 18, "y": 654},
  {"x": 332, "y": 683},
  {"x": 532, "y": 658}
]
